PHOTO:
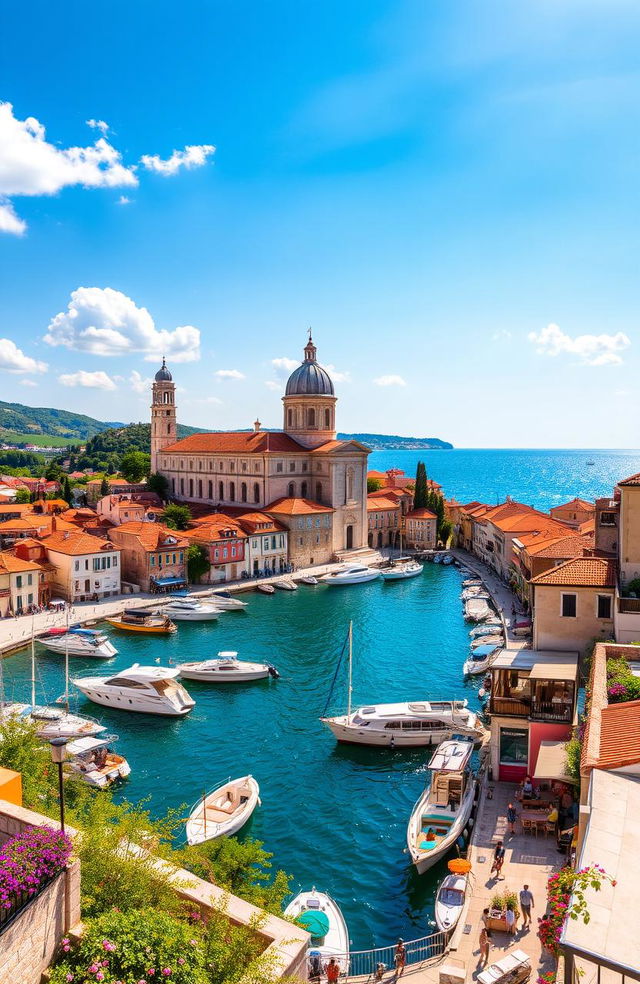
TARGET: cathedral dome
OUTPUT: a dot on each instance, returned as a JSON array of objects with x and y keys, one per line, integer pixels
[
  {"x": 309, "y": 379},
  {"x": 163, "y": 375}
]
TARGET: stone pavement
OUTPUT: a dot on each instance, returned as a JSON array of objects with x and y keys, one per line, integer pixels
[{"x": 503, "y": 597}]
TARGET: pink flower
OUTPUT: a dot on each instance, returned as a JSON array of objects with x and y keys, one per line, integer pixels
[
  {"x": 105, "y": 963},
  {"x": 193, "y": 942},
  {"x": 69, "y": 978},
  {"x": 181, "y": 960},
  {"x": 93, "y": 968},
  {"x": 108, "y": 946},
  {"x": 166, "y": 971},
  {"x": 99, "y": 976}
]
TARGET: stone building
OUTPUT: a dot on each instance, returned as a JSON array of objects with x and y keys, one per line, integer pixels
[
  {"x": 421, "y": 529},
  {"x": 256, "y": 468},
  {"x": 153, "y": 557},
  {"x": 310, "y": 530},
  {"x": 384, "y": 521},
  {"x": 226, "y": 545}
]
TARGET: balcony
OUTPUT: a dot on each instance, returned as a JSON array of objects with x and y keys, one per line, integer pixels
[
  {"x": 538, "y": 710},
  {"x": 629, "y": 606}
]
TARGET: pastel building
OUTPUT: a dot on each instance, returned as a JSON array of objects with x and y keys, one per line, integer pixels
[
  {"x": 153, "y": 557},
  {"x": 82, "y": 566},
  {"x": 225, "y": 543}
]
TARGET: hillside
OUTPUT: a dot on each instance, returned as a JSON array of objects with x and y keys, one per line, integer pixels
[
  {"x": 21, "y": 424},
  {"x": 384, "y": 442}
]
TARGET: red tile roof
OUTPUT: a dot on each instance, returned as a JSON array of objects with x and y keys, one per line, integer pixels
[
  {"x": 420, "y": 514},
  {"x": 242, "y": 442},
  {"x": 619, "y": 735},
  {"x": 563, "y": 548},
  {"x": 152, "y": 536},
  {"x": 9, "y": 564},
  {"x": 297, "y": 507},
  {"x": 632, "y": 480},
  {"x": 75, "y": 542},
  {"x": 595, "y": 572},
  {"x": 210, "y": 527},
  {"x": 380, "y": 502},
  {"x": 252, "y": 520},
  {"x": 577, "y": 504}
]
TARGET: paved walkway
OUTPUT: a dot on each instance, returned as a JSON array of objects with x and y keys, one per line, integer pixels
[{"x": 503, "y": 597}]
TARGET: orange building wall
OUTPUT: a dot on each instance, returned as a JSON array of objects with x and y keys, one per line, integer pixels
[{"x": 11, "y": 787}]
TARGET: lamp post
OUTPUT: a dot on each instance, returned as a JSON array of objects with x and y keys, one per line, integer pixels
[{"x": 58, "y": 756}]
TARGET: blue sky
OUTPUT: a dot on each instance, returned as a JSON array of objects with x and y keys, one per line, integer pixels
[{"x": 446, "y": 191}]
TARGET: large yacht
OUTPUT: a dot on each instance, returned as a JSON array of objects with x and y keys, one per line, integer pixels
[
  {"x": 406, "y": 725},
  {"x": 187, "y": 610},
  {"x": 148, "y": 689},
  {"x": 352, "y": 574},
  {"x": 79, "y": 642}
]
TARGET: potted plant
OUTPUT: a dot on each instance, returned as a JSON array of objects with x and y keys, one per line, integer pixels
[{"x": 498, "y": 906}]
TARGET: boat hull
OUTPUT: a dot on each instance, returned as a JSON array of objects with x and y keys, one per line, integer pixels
[
  {"x": 144, "y": 705},
  {"x": 424, "y": 861},
  {"x": 336, "y": 942},
  {"x": 336, "y": 582},
  {"x": 144, "y": 629},
  {"x": 402, "y": 575},
  {"x": 208, "y": 616},
  {"x": 212, "y": 676},
  {"x": 198, "y": 830},
  {"x": 102, "y": 651},
  {"x": 354, "y": 735}
]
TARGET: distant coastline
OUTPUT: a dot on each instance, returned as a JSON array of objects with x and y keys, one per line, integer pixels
[{"x": 393, "y": 442}]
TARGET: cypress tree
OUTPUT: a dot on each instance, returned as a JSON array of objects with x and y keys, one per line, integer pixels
[
  {"x": 66, "y": 490},
  {"x": 421, "y": 492}
]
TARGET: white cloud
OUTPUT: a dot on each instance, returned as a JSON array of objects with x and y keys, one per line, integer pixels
[
  {"x": 338, "y": 377},
  {"x": 28, "y": 382},
  {"x": 103, "y": 321},
  {"x": 99, "y": 125},
  {"x": 284, "y": 367},
  {"x": 123, "y": 200},
  {"x": 190, "y": 157},
  {"x": 91, "y": 380},
  {"x": 591, "y": 350},
  {"x": 272, "y": 385},
  {"x": 138, "y": 383},
  {"x": 229, "y": 374},
  {"x": 9, "y": 221},
  {"x": 13, "y": 359},
  {"x": 501, "y": 335},
  {"x": 389, "y": 381}
]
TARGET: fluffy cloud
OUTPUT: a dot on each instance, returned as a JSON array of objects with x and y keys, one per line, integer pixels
[
  {"x": 13, "y": 359},
  {"x": 9, "y": 221},
  {"x": 138, "y": 383},
  {"x": 123, "y": 200},
  {"x": 338, "y": 377},
  {"x": 91, "y": 380},
  {"x": 28, "y": 382},
  {"x": 229, "y": 374},
  {"x": 99, "y": 125},
  {"x": 590, "y": 350},
  {"x": 190, "y": 157},
  {"x": 103, "y": 321},
  {"x": 389, "y": 381}
]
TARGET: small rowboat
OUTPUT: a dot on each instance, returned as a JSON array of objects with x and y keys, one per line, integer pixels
[
  {"x": 308, "y": 579},
  {"x": 266, "y": 588},
  {"x": 223, "y": 811},
  {"x": 285, "y": 584}
]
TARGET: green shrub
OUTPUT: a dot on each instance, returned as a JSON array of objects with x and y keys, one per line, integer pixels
[{"x": 504, "y": 900}]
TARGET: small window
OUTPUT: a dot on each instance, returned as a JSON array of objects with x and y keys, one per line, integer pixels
[
  {"x": 604, "y": 606},
  {"x": 292, "y": 466},
  {"x": 569, "y": 605},
  {"x": 278, "y": 466}
]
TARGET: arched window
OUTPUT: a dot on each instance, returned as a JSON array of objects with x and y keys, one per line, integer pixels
[
  {"x": 311, "y": 417},
  {"x": 291, "y": 490},
  {"x": 243, "y": 492},
  {"x": 199, "y": 488},
  {"x": 303, "y": 490},
  {"x": 327, "y": 420},
  {"x": 221, "y": 490},
  {"x": 191, "y": 488},
  {"x": 256, "y": 492},
  {"x": 318, "y": 491},
  {"x": 349, "y": 483},
  {"x": 210, "y": 496},
  {"x": 168, "y": 428},
  {"x": 289, "y": 418},
  {"x": 166, "y": 398},
  {"x": 232, "y": 491}
]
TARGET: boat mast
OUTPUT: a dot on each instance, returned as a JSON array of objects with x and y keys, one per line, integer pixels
[
  {"x": 33, "y": 664},
  {"x": 66, "y": 666},
  {"x": 350, "y": 672}
]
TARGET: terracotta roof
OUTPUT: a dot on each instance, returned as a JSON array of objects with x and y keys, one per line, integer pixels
[
  {"x": 242, "y": 442},
  {"x": 529, "y": 522},
  {"x": 250, "y": 522},
  {"x": 380, "y": 502},
  {"x": 389, "y": 492},
  {"x": 577, "y": 504},
  {"x": 420, "y": 514},
  {"x": 632, "y": 480},
  {"x": 9, "y": 564},
  {"x": 596, "y": 572},
  {"x": 152, "y": 536},
  {"x": 297, "y": 507},
  {"x": 564, "y": 547},
  {"x": 16, "y": 507},
  {"x": 75, "y": 542},
  {"x": 619, "y": 735},
  {"x": 335, "y": 445},
  {"x": 211, "y": 527}
]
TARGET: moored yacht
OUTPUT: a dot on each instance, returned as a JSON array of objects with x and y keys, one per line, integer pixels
[
  {"x": 321, "y": 917},
  {"x": 442, "y": 812},
  {"x": 406, "y": 725},
  {"x": 188, "y": 610},
  {"x": 227, "y": 602},
  {"x": 481, "y": 659},
  {"x": 227, "y": 668},
  {"x": 79, "y": 642},
  {"x": 147, "y": 689},
  {"x": 139, "y": 620},
  {"x": 52, "y": 722},
  {"x": 450, "y": 897},
  {"x": 402, "y": 568},
  {"x": 351, "y": 574}
]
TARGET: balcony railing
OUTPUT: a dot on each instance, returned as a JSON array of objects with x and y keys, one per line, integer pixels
[
  {"x": 510, "y": 705},
  {"x": 541, "y": 710},
  {"x": 629, "y": 605}
]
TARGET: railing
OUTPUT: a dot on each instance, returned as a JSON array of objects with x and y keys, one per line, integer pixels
[
  {"x": 546, "y": 710},
  {"x": 629, "y": 605},
  {"x": 510, "y": 705},
  {"x": 18, "y": 902},
  {"x": 372, "y": 963}
]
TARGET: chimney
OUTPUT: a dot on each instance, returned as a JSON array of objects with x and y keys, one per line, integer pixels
[
  {"x": 65, "y": 535},
  {"x": 256, "y": 426},
  {"x": 54, "y": 525}
]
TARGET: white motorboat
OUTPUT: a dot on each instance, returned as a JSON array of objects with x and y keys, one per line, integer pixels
[
  {"x": 286, "y": 584},
  {"x": 442, "y": 812},
  {"x": 52, "y": 722},
  {"x": 450, "y": 898},
  {"x": 145, "y": 689},
  {"x": 308, "y": 579},
  {"x": 226, "y": 669},
  {"x": 187, "y": 610},
  {"x": 95, "y": 762},
  {"x": 226, "y": 601},
  {"x": 351, "y": 574},
  {"x": 487, "y": 628},
  {"x": 471, "y": 582},
  {"x": 476, "y": 610},
  {"x": 401, "y": 569},
  {"x": 470, "y": 593},
  {"x": 223, "y": 811},
  {"x": 79, "y": 642},
  {"x": 406, "y": 725},
  {"x": 266, "y": 588},
  {"x": 480, "y": 660},
  {"x": 320, "y": 915},
  {"x": 495, "y": 639}
]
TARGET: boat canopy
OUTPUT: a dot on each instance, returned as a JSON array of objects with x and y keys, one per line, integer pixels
[
  {"x": 89, "y": 744},
  {"x": 91, "y": 633},
  {"x": 164, "y": 581},
  {"x": 315, "y": 922},
  {"x": 451, "y": 756}
]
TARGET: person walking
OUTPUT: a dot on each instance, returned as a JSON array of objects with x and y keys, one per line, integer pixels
[
  {"x": 400, "y": 957},
  {"x": 512, "y": 816},
  {"x": 526, "y": 904},
  {"x": 498, "y": 860},
  {"x": 485, "y": 946},
  {"x": 332, "y": 970}
]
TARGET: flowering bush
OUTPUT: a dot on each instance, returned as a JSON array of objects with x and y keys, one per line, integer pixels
[
  {"x": 29, "y": 860},
  {"x": 622, "y": 685},
  {"x": 138, "y": 947},
  {"x": 560, "y": 888}
]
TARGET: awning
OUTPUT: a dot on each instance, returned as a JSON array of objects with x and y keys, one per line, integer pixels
[
  {"x": 561, "y": 669},
  {"x": 164, "y": 581},
  {"x": 552, "y": 762}
]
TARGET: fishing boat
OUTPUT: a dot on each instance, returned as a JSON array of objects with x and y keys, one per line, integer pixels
[
  {"x": 144, "y": 689},
  {"x": 494, "y": 639},
  {"x": 286, "y": 584},
  {"x": 139, "y": 620},
  {"x": 472, "y": 582},
  {"x": 188, "y": 610},
  {"x": 442, "y": 812},
  {"x": 451, "y": 894},
  {"x": 266, "y": 588},
  {"x": 487, "y": 628},
  {"x": 476, "y": 609},
  {"x": 227, "y": 669},
  {"x": 223, "y": 811},
  {"x": 470, "y": 593},
  {"x": 320, "y": 915},
  {"x": 308, "y": 579},
  {"x": 227, "y": 602},
  {"x": 79, "y": 642},
  {"x": 400, "y": 569},
  {"x": 351, "y": 574},
  {"x": 480, "y": 660},
  {"x": 402, "y": 725},
  {"x": 95, "y": 762},
  {"x": 447, "y": 560}
]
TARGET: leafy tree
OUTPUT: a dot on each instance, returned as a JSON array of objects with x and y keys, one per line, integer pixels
[
  {"x": 373, "y": 485},
  {"x": 197, "y": 562},
  {"x": 420, "y": 494},
  {"x": 104, "y": 486},
  {"x": 66, "y": 490},
  {"x": 158, "y": 483},
  {"x": 177, "y": 517},
  {"x": 135, "y": 465},
  {"x": 445, "y": 532},
  {"x": 53, "y": 472},
  {"x": 23, "y": 496}
]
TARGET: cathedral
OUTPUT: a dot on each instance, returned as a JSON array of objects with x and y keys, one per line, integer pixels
[{"x": 302, "y": 471}]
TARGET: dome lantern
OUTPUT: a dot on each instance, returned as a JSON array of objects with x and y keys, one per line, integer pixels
[{"x": 163, "y": 375}]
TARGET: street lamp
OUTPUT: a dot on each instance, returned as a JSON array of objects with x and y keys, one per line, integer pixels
[{"x": 58, "y": 756}]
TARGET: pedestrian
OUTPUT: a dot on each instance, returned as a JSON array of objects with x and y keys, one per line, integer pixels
[
  {"x": 332, "y": 970},
  {"x": 400, "y": 957},
  {"x": 510, "y": 919},
  {"x": 498, "y": 860},
  {"x": 484, "y": 917},
  {"x": 526, "y": 904},
  {"x": 511, "y": 818},
  {"x": 380, "y": 969},
  {"x": 485, "y": 946}
]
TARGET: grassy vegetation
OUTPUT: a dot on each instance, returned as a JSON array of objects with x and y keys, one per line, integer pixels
[{"x": 40, "y": 440}]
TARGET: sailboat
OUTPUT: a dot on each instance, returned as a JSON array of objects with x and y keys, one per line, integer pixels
[{"x": 402, "y": 567}]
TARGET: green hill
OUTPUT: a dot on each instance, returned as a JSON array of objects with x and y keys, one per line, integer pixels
[
  {"x": 382, "y": 442},
  {"x": 20, "y": 424},
  {"x": 104, "y": 450}
]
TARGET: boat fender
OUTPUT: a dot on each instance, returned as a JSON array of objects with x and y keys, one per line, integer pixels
[{"x": 273, "y": 672}]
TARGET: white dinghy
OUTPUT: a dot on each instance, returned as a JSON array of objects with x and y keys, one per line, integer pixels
[
  {"x": 401, "y": 569},
  {"x": 308, "y": 579},
  {"x": 286, "y": 584},
  {"x": 223, "y": 811},
  {"x": 476, "y": 610},
  {"x": 95, "y": 762},
  {"x": 451, "y": 894},
  {"x": 321, "y": 917},
  {"x": 227, "y": 669},
  {"x": 225, "y": 601}
]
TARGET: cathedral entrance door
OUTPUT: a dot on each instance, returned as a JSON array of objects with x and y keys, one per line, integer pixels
[{"x": 349, "y": 537}]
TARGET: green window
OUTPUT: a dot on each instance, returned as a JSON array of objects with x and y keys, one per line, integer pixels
[{"x": 514, "y": 746}]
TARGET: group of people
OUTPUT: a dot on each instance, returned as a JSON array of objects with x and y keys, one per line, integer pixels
[{"x": 526, "y": 905}]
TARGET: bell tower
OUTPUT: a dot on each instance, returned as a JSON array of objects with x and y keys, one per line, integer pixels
[{"x": 163, "y": 413}]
